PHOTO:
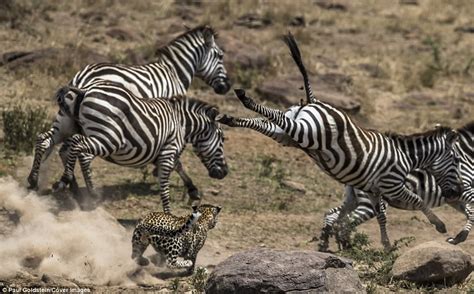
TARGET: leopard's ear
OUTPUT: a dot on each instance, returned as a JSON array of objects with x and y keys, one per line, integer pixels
[
  {"x": 218, "y": 209},
  {"x": 195, "y": 208}
]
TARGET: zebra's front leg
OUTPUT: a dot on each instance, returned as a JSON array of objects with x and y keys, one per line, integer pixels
[
  {"x": 329, "y": 219},
  {"x": 382, "y": 220},
  {"x": 188, "y": 182},
  {"x": 464, "y": 233},
  {"x": 165, "y": 164},
  {"x": 79, "y": 144},
  {"x": 44, "y": 142}
]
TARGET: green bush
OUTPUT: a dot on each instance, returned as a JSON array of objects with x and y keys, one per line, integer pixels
[{"x": 21, "y": 125}]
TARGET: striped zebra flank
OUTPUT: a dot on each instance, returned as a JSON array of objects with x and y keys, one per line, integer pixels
[
  {"x": 371, "y": 161},
  {"x": 192, "y": 54},
  {"x": 131, "y": 131}
]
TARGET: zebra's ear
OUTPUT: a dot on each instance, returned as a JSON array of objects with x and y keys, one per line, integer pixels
[
  {"x": 212, "y": 113},
  {"x": 208, "y": 34},
  {"x": 452, "y": 137}
]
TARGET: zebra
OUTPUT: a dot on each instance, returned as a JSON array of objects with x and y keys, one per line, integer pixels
[
  {"x": 424, "y": 185},
  {"x": 365, "y": 159},
  {"x": 130, "y": 131},
  {"x": 194, "y": 53}
]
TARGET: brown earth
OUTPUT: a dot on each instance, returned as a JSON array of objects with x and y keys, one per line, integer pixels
[{"x": 383, "y": 46}]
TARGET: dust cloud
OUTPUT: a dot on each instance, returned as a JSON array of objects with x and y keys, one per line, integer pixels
[{"x": 88, "y": 246}]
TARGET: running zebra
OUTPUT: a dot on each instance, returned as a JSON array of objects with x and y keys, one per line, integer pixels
[
  {"x": 424, "y": 185},
  {"x": 365, "y": 159},
  {"x": 194, "y": 53},
  {"x": 130, "y": 131}
]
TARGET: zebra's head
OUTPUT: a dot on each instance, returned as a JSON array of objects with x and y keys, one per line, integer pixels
[
  {"x": 206, "y": 136},
  {"x": 445, "y": 168},
  {"x": 211, "y": 67}
]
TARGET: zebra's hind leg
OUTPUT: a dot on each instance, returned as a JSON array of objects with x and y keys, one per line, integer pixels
[
  {"x": 63, "y": 153},
  {"x": 188, "y": 182},
  {"x": 79, "y": 144},
  {"x": 44, "y": 143},
  {"x": 462, "y": 236},
  {"x": 401, "y": 193}
]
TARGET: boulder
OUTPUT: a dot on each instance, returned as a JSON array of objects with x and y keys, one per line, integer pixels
[
  {"x": 329, "y": 88},
  {"x": 278, "y": 271},
  {"x": 433, "y": 262}
]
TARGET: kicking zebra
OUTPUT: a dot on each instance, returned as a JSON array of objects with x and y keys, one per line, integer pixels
[
  {"x": 365, "y": 159},
  {"x": 424, "y": 185},
  {"x": 194, "y": 53},
  {"x": 130, "y": 131}
]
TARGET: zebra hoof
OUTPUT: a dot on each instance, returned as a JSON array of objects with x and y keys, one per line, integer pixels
[
  {"x": 142, "y": 261},
  {"x": 441, "y": 228},
  {"x": 59, "y": 186},
  {"x": 226, "y": 119},
  {"x": 33, "y": 183},
  {"x": 461, "y": 237},
  {"x": 193, "y": 194}
]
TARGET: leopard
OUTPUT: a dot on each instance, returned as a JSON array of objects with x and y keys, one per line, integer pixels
[{"x": 173, "y": 236}]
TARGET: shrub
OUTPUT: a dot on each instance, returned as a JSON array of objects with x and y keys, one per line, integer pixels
[
  {"x": 21, "y": 125},
  {"x": 199, "y": 279}
]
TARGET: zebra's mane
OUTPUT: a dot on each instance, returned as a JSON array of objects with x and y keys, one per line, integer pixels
[
  {"x": 469, "y": 127},
  {"x": 199, "y": 28},
  {"x": 437, "y": 131}
]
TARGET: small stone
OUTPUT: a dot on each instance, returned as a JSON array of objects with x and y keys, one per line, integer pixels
[{"x": 294, "y": 186}]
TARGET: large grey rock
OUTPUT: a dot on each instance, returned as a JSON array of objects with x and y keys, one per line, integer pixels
[
  {"x": 329, "y": 88},
  {"x": 433, "y": 262},
  {"x": 275, "y": 271}
]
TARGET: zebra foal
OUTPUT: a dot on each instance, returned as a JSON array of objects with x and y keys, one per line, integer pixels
[
  {"x": 194, "y": 53},
  {"x": 131, "y": 131}
]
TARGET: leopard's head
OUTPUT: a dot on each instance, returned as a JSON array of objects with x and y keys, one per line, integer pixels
[
  {"x": 209, "y": 215},
  {"x": 140, "y": 242}
]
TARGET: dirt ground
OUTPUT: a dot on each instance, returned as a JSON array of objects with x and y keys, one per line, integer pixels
[{"x": 424, "y": 51}]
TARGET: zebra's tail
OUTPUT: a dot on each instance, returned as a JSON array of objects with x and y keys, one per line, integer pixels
[
  {"x": 69, "y": 104},
  {"x": 296, "y": 54}
]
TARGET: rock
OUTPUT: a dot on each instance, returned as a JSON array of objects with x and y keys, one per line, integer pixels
[
  {"x": 120, "y": 34},
  {"x": 330, "y": 5},
  {"x": 297, "y": 21},
  {"x": 253, "y": 21},
  {"x": 51, "y": 56},
  {"x": 240, "y": 55},
  {"x": 53, "y": 280},
  {"x": 277, "y": 271},
  {"x": 409, "y": 2},
  {"x": 294, "y": 186},
  {"x": 433, "y": 262},
  {"x": 329, "y": 88},
  {"x": 465, "y": 29}
]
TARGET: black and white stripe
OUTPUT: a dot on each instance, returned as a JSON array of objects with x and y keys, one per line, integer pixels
[
  {"x": 371, "y": 161},
  {"x": 425, "y": 186},
  {"x": 130, "y": 131},
  {"x": 194, "y": 53}
]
